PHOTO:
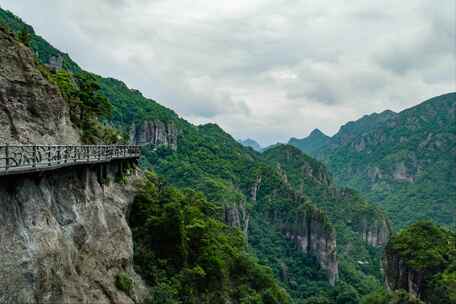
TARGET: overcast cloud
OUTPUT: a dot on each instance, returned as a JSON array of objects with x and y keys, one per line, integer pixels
[{"x": 268, "y": 69}]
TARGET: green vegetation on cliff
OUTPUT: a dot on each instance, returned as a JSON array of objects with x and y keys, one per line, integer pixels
[
  {"x": 352, "y": 216},
  {"x": 395, "y": 297},
  {"x": 211, "y": 161},
  {"x": 422, "y": 260},
  {"x": 186, "y": 255}
]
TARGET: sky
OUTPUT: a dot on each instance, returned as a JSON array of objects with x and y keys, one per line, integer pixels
[{"x": 262, "y": 69}]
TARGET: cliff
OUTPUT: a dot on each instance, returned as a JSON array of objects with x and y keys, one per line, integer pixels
[
  {"x": 420, "y": 260},
  {"x": 311, "y": 178},
  {"x": 375, "y": 231},
  {"x": 237, "y": 215},
  {"x": 368, "y": 221},
  {"x": 64, "y": 236},
  {"x": 154, "y": 132},
  {"x": 314, "y": 236},
  {"x": 31, "y": 109},
  {"x": 400, "y": 276}
]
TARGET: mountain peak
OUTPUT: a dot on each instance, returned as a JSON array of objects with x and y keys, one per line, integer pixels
[
  {"x": 312, "y": 143},
  {"x": 317, "y": 133},
  {"x": 251, "y": 143}
]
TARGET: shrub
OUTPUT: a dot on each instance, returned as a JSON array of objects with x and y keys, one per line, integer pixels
[{"x": 124, "y": 282}]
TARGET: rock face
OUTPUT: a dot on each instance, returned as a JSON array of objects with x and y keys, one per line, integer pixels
[
  {"x": 420, "y": 259},
  {"x": 315, "y": 237},
  {"x": 399, "y": 276},
  {"x": 56, "y": 62},
  {"x": 375, "y": 231},
  {"x": 31, "y": 109},
  {"x": 237, "y": 215},
  {"x": 154, "y": 133},
  {"x": 65, "y": 237}
]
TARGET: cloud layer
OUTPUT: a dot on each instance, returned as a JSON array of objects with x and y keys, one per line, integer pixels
[{"x": 268, "y": 69}]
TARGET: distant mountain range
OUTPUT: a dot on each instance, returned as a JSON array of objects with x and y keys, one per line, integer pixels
[{"x": 405, "y": 162}]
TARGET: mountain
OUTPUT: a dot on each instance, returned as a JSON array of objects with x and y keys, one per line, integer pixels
[
  {"x": 251, "y": 143},
  {"x": 217, "y": 210},
  {"x": 403, "y": 161},
  {"x": 311, "y": 144}
]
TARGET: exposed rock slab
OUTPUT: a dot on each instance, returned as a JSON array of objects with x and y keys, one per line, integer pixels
[
  {"x": 155, "y": 133},
  {"x": 64, "y": 238}
]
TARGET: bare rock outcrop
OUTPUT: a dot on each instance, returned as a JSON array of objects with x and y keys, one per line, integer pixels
[
  {"x": 375, "y": 233},
  {"x": 374, "y": 228},
  {"x": 399, "y": 276},
  {"x": 155, "y": 132},
  {"x": 237, "y": 215},
  {"x": 314, "y": 236},
  {"x": 64, "y": 238},
  {"x": 31, "y": 109}
]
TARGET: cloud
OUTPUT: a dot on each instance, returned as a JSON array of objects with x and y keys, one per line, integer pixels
[{"x": 265, "y": 69}]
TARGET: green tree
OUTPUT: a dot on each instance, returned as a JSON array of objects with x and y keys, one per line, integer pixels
[
  {"x": 346, "y": 294},
  {"x": 93, "y": 103},
  {"x": 25, "y": 37}
]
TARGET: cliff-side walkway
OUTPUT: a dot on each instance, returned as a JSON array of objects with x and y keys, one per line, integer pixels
[{"x": 35, "y": 158}]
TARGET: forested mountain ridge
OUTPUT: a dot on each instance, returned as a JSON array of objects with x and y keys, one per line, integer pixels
[
  {"x": 402, "y": 161},
  {"x": 289, "y": 219}
]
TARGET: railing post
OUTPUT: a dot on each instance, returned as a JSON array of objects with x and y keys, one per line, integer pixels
[
  {"x": 34, "y": 156},
  {"x": 7, "y": 157},
  {"x": 49, "y": 156}
]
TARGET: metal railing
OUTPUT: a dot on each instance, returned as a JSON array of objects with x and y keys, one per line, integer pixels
[{"x": 16, "y": 159}]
